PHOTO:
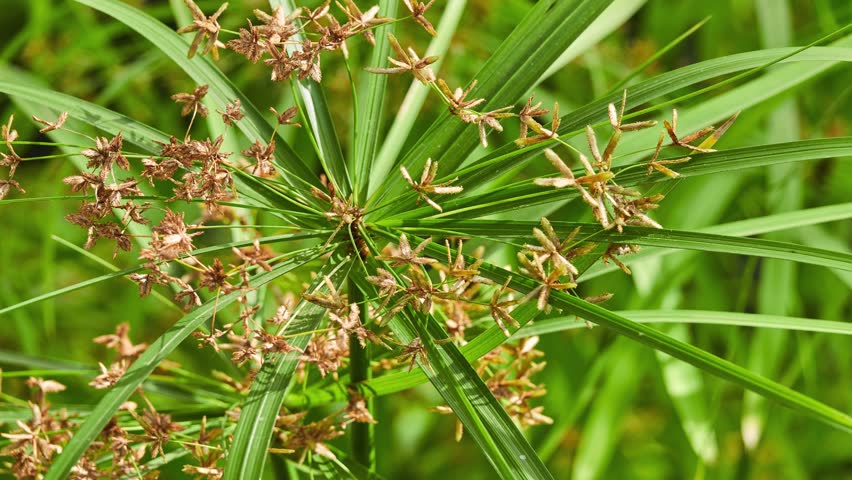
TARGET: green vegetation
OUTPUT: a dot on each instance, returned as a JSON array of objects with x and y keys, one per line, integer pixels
[{"x": 452, "y": 239}]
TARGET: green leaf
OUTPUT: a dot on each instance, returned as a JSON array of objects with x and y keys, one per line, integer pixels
[
  {"x": 654, "y": 338},
  {"x": 682, "y": 351},
  {"x": 372, "y": 102},
  {"x": 526, "y": 193},
  {"x": 248, "y": 452},
  {"x": 688, "y": 392},
  {"x": 639, "y": 235},
  {"x": 777, "y": 289},
  {"x": 549, "y": 28},
  {"x": 602, "y": 429},
  {"x": 697, "y": 317},
  {"x": 612, "y": 18},
  {"x": 139, "y": 371},
  {"x": 315, "y": 110},
  {"x": 752, "y": 226},
  {"x": 510, "y": 157},
  {"x": 134, "y": 132}
]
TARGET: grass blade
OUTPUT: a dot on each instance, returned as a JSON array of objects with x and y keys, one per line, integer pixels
[
  {"x": 509, "y": 156},
  {"x": 612, "y": 18},
  {"x": 683, "y": 351},
  {"x": 314, "y": 108},
  {"x": 753, "y": 226},
  {"x": 128, "y": 271},
  {"x": 695, "y": 317},
  {"x": 602, "y": 429},
  {"x": 777, "y": 288},
  {"x": 639, "y": 235},
  {"x": 688, "y": 392},
  {"x": 134, "y": 132},
  {"x": 457, "y": 382},
  {"x": 247, "y": 456},
  {"x": 372, "y": 102}
]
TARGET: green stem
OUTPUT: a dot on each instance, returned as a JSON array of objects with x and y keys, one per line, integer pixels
[{"x": 359, "y": 371}]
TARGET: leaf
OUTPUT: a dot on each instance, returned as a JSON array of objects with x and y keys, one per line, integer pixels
[
  {"x": 682, "y": 351},
  {"x": 128, "y": 271},
  {"x": 248, "y": 452},
  {"x": 612, "y": 18},
  {"x": 688, "y": 393},
  {"x": 654, "y": 338},
  {"x": 139, "y": 371},
  {"x": 602, "y": 429},
  {"x": 777, "y": 288},
  {"x": 561, "y": 323},
  {"x": 134, "y": 132},
  {"x": 752, "y": 226},
  {"x": 368, "y": 125},
  {"x": 315, "y": 109},
  {"x": 639, "y": 235},
  {"x": 509, "y": 157}
]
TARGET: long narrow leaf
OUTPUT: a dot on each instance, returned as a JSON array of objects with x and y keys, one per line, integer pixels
[
  {"x": 248, "y": 452},
  {"x": 641, "y": 236},
  {"x": 371, "y": 107},
  {"x": 525, "y": 193},
  {"x": 315, "y": 109}
]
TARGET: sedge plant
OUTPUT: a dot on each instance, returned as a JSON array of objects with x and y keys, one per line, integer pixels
[{"x": 355, "y": 273}]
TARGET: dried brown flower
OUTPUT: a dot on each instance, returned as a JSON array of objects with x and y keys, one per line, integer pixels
[
  {"x": 418, "y": 10},
  {"x": 362, "y": 21},
  {"x": 6, "y": 185},
  {"x": 233, "y": 112},
  {"x": 106, "y": 154},
  {"x": 527, "y": 117},
  {"x": 8, "y": 134},
  {"x": 121, "y": 343},
  {"x": 158, "y": 429},
  {"x": 550, "y": 280},
  {"x": 671, "y": 129},
  {"x": 109, "y": 376},
  {"x": 51, "y": 126},
  {"x": 205, "y": 27},
  {"x": 248, "y": 44},
  {"x": 192, "y": 101},
  {"x": 499, "y": 309},
  {"x": 408, "y": 62}
]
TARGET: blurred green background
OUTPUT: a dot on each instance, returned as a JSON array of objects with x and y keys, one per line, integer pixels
[{"x": 613, "y": 414}]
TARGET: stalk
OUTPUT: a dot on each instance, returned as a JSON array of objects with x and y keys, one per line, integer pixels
[{"x": 359, "y": 371}]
